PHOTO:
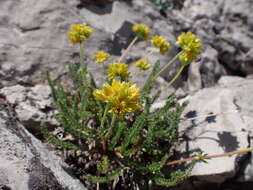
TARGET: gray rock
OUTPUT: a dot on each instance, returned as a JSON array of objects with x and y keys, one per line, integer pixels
[
  {"x": 206, "y": 72},
  {"x": 194, "y": 79},
  {"x": 243, "y": 99},
  {"x": 14, "y": 94},
  {"x": 225, "y": 25},
  {"x": 33, "y": 41},
  {"x": 218, "y": 120},
  {"x": 25, "y": 164},
  {"x": 247, "y": 67},
  {"x": 198, "y": 9},
  {"x": 32, "y": 104},
  {"x": 248, "y": 172}
]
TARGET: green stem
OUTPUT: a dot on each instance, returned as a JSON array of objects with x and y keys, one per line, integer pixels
[
  {"x": 104, "y": 117},
  {"x": 176, "y": 76},
  {"x": 102, "y": 129},
  {"x": 168, "y": 64},
  {"x": 109, "y": 133},
  {"x": 128, "y": 48},
  {"x": 81, "y": 54},
  {"x": 114, "y": 116},
  {"x": 83, "y": 66}
]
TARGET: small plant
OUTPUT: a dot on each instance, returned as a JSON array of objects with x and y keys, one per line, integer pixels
[{"x": 115, "y": 122}]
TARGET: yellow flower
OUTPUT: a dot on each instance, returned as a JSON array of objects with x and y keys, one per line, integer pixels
[
  {"x": 101, "y": 56},
  {"x": 191, "y": 45},
  {"x": 79, "y": 33},
  {"x": 142, "y": 31},
  {"x": 118, "y": 70},
  {"x": 187, "y": 57},
  {"x": 161, "y": 43},
  {"x": 142, "y": 64},
  {"x": 121, "y": 96}
]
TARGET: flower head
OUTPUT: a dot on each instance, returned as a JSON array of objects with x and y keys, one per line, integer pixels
[
  {"x": 142, "y": 64},
  {"x": 118, "y": 70},
  {"x": 101, "y": 56},
  {"x": 161, "y": 43},
  {"x": 191, "y": 45},
  {"x": 142, "y": 31},
  {"x": 186, "y": 57},
  {"x": 121, "y": 96},
  {"x": 79, "y": 33}
]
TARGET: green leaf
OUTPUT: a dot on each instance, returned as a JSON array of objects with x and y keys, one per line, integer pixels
[
  {"x": 175, "y": 177},
  {"x": 133, "y": 134},
  {"x": 155, "y": 167},
  {"x": 104, "y": 165},
  {"x": 119, "y": 132},
  {"x": 105, "y": 179}
]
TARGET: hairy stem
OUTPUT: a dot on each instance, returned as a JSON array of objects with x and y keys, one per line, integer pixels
[
  {"x": 104, "y": 116},
  {"x": 128, "y": 48},
  {"x": 81, "y": 54},
  {"x": 168, "y": 64},
  {"x": 83, "y": 66},
  {"x": 210, "y": 156},
  {"x": 110, "y": 130},
  {"x": 176, "y": 76}
]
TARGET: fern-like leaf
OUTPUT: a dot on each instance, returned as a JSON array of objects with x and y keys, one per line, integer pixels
[{"x": 105, "y": 179}]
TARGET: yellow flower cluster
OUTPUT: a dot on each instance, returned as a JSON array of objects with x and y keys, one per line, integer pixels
[
  {"x": 101, "y": 56},
  {"x": 121, "y": 96},
  {"x": 161, "y": 43},
  {"x": 79, "y": 33},
  {"x": 142, "y": 31},
  {"x": 118, "y": 70},
  {"x": 191, "y": 45},
  {"x": 142, "y": 64}
]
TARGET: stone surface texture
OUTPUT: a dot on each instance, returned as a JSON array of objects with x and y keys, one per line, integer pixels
[
  {"x": 34, "y": 40},
  {"x": 25, "y": 164},
  {"x": 31, "y": 104},
  {"x": 219, "y": 120}
]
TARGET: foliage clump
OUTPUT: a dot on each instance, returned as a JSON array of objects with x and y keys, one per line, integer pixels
[{"x": 116, "y": 122}]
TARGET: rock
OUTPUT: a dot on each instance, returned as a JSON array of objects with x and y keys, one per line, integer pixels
[
  {"x": 194, "y": 79},
  {"x": 243, "y": 98},
  {"x": 247, "y": 67},
  {"x": 109, "y": 18},
  {"x": 14, "y": 94},
  {"x": 210, "y": 68},
  {"x": 218, "y": 120},
  {"x": 32, "y": 104},
  {"x": 35, "y": 41},
  {"x": 225, "y": 26},
  {"x": 206, "y": 72},
  {"x": 25, "y": 164},
  {"x": 248, "y": 172},
  {"x": 202, "y": 9}
]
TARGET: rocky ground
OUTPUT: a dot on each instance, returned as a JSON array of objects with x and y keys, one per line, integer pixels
[{"x": 219, "y": 87}]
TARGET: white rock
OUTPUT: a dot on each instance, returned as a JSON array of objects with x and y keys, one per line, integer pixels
[
  {"x": 30, "y": 103},
  {"x": 215, "y": 123},
  {"x": 14, "y": 94},
  {"x": 25, "y": 163}
]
